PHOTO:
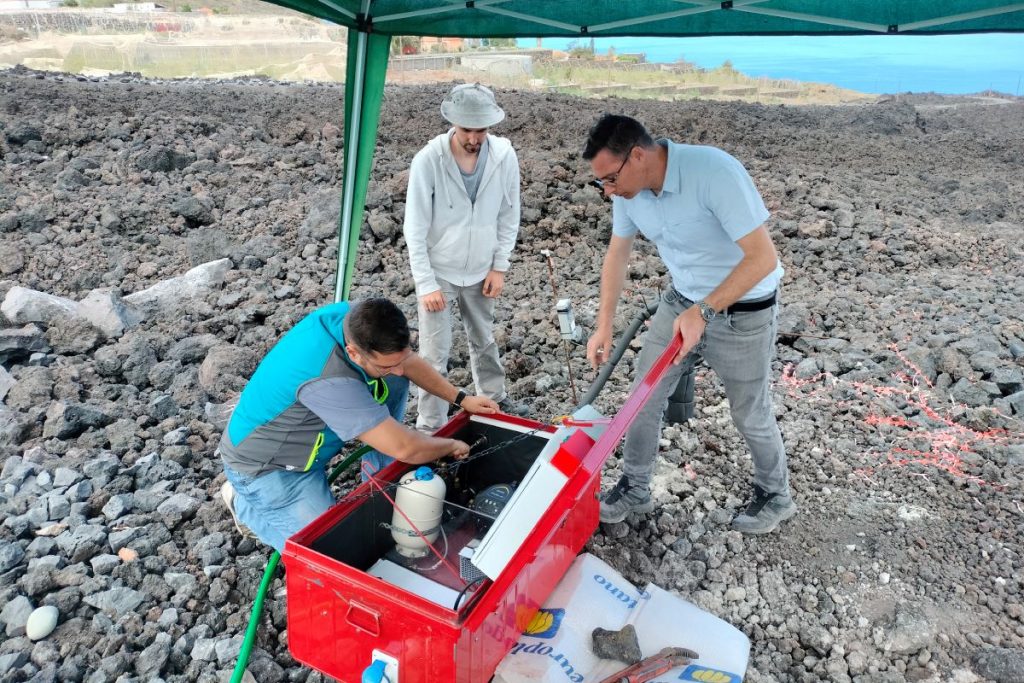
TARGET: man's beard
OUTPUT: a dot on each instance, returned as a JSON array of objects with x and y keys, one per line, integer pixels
[{"x": 470, "y": 147}]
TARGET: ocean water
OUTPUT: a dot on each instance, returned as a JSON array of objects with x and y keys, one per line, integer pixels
[{"x": 953, "y": 64}]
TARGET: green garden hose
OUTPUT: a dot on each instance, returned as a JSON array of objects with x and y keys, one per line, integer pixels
[{"x": 268, "y": 577}]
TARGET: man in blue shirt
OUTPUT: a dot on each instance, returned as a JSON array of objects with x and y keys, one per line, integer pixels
[
  {"x": 341, "y": 373},
  {"x": 699, "y": 207}
]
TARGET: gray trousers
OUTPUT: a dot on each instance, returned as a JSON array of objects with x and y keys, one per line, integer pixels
[
  {"x": 436, "y": 342},
  {"x": 739, "y": 348}
]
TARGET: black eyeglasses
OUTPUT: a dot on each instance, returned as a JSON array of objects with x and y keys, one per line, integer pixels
[
  {"x": 614, "y": 177},
  {"x": 611, "y": 179}
]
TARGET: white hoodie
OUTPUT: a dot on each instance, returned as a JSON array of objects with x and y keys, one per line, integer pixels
[{"x": 450, "y": 237}]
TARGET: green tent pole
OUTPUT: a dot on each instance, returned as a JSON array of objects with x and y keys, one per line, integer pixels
[{"x": 364, "y": 91}]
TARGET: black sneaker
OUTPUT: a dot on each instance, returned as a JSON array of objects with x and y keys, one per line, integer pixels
[
  {"x": 623, "y": 499},
  {"x": 510, "y": 407},
  {"x": 765, "y": 512}
]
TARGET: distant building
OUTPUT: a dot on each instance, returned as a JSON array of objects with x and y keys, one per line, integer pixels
[
  {"x": 122, "y": 7},
  {"x": 435, "y": 44},
  {"x": 17, "y": 5}
]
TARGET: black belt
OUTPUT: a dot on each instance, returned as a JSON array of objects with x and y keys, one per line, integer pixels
[
  {"x": 740, "y": 306},
  {"x": 749, "y": 306}
]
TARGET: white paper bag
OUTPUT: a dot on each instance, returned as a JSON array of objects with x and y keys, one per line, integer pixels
[{"x": 556, "y": 647}]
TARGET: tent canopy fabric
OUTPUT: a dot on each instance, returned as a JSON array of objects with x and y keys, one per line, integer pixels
[{"x": 600, "y": 18}]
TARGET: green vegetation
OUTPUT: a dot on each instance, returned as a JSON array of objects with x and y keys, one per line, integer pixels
[
  {"x": 183, "y": 61},
  {"x": 634, "y": 80},
  {"x": 503, "y": 43}
]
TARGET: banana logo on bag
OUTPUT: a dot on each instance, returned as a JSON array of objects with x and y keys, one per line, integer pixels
[
  {"x": 703, "y": 674},
  {"x": 545, "y": 623}
]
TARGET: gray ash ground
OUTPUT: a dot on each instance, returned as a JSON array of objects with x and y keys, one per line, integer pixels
[{"x": 899, "y": 392}]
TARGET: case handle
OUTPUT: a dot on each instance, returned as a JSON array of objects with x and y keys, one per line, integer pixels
[{"x": 372, "y": 616}]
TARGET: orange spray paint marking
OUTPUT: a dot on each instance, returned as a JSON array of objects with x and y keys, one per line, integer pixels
[{"x": 932, "y": 439}]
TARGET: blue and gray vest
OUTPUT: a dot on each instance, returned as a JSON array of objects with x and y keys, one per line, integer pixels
[{"x": 269, "y": 428}]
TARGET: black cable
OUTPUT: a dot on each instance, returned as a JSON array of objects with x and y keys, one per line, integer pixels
[
  {"x": 462, "y": 593},
  {"x": 616, "y": 354}
]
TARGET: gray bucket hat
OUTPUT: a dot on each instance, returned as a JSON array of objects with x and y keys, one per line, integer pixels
[{"x": 471, "y": 105}]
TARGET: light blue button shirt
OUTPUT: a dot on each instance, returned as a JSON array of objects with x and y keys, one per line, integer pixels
[{"x": 707, "y": 202}]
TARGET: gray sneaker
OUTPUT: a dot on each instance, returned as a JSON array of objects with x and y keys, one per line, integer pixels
[
  {"x": 765, "y": 512},
  {"x": 623, "y": 499}
]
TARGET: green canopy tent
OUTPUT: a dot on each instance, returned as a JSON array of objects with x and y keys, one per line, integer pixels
[{"x": 372, "y": 23}]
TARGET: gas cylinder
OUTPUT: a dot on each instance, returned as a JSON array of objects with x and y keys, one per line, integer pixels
[{"x": 420, "y": 496}]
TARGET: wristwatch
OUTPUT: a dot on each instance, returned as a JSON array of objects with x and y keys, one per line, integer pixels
[
  {"x": 459, "y": 398},
  {"x": 706, "y": 311}
]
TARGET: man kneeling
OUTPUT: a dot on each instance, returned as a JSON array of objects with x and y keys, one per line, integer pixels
[{"x": 341, "y": 373}]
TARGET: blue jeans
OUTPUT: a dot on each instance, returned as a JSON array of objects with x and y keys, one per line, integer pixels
[
  {"x": 739, "y": 348},
  {"x": 277, "y": 504}
]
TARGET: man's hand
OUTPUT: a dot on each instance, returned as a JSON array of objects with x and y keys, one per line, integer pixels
[
  {"x": 460, "y": 450},
  {"x": 690, "y": 326},
  {"x": 599, "y": 347},
  {"x": 493, "y": 284},
  {"x": 433, "y": 302},
  {"x": 479, "y": 405}
]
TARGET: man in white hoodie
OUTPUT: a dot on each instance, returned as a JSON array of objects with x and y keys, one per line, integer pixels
[{"x": 461, "y": 222}]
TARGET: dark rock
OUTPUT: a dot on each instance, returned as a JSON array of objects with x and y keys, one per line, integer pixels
[
  {"x": 12, "y": 260},
  {"x": 226, "y": 369},
  {"x": 162, "y": 407},
  {"x": 14, "y": 428},
  {"x": 123, "y": 436},
  {"x": 321, "y": 222},
  {"x": 22, "y": 132},
  {"x": 10, "y": 662},
  {"x": 73, "y": 336},
  {"x": 206, "y": 244},
  {"x": 162, "y": 159},
  {"x": 177, "y": 509},
  {"x": 153, "y": 659},
  {"x": 163, "y": 373},
  {"x": 264, "y": 668},
  {"x": 116, "y": 601},
  {"x": 17, "y": 344},
  {"x": 71, "y": 179},
  {"x": 65, "y": 420},
  {"x": 1009, "y": 380},
  {"x": 383, "y": 227},
  {"x": 191, "y": 349},
  {"x": 621, "y": 645},
  {"x": 1000, "y": 664},
  {"x": 11, "y": 555},
  {"x": 14, "y": 615},
  {"x": 974, "y": 393},
  {"x": 908, "y": 631},
  {"x": 33, "y": 390},
  {"x": 32, "y": 220},
  {"x": 194, "y": 211},
  {"x": 8, "y": 222}
]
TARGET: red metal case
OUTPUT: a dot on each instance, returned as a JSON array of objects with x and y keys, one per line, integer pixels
[{"x": 338, "y": 614}]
